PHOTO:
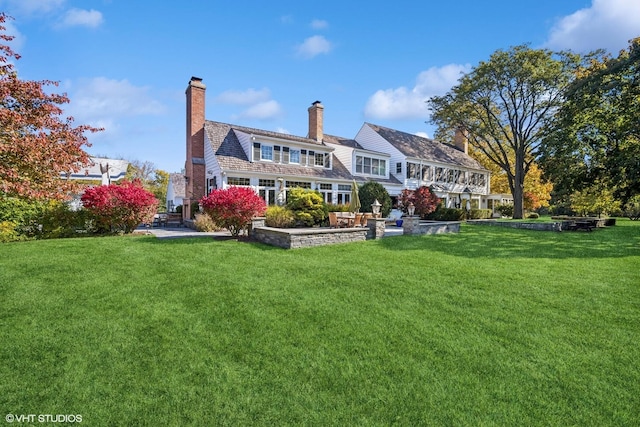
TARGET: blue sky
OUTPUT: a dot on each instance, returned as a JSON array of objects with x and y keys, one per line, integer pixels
[{"x": 125, "y": 64}]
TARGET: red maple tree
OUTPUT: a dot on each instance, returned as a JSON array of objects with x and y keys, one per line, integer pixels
[
  {"x": 36, "y": 144},
  {"x": 423, "y": 199},
  {"x": 233, "y": 207},
  {"x": 120, "y": 207}
]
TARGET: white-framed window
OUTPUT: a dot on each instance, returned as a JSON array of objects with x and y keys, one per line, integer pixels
[
  {"x": 267, "y": 190},
  {"x": 266, "y": 152},
  {"x": 294, "y": 155},
  {"x": 344, "y": 194},
  {"x": 478, "y": 179},
  {"x": 371, "y": 166},
  {"x": 427, "y": 173},
  {"x": 413, "y": 170},
  {"x": 326, "y": 191},
  {"x": 233, "y": 180},
  {"x": 301, "y": 184}
]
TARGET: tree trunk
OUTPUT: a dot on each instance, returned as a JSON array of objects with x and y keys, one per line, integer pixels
[{"x": 518, "y": 186}]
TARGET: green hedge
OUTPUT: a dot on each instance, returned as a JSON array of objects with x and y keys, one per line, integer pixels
[{"x": 479, "y": 214}]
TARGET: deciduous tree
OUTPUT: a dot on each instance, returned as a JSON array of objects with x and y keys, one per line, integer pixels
[
  {"x": 36, "y": 144},
  {"x": 503, "y": 105},
  {"x": 423, "y": 199},
  {"x": 596, "y": 199},
  {"x": 595, "y": 136}
]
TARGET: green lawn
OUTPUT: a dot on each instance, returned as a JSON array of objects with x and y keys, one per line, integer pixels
[{"x": 490, "y": 327}]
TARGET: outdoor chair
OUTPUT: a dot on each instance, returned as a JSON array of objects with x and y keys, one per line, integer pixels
[
  {"x": 333, "y": 220},
  {"x": 365, "y": 217}
]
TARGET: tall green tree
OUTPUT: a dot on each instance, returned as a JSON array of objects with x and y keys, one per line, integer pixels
[
  {"x": 595, "y": 136},
  {"x": 503, "y": 106}
]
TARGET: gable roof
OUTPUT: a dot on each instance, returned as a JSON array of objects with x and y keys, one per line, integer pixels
[
  {"x": 231, "y": 156},
  {"x": 424, "y": 148}
]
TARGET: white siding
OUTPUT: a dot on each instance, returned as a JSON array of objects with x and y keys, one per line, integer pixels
[
  {"x": 371, "y": 140},
  {"x": 344, "y": 155}
]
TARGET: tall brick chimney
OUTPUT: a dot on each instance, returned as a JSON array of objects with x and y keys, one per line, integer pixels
[
  {"x": 194, "y": 165},
  {"x": 315, "y": 121},
  {"x": 460, "y": 141}
]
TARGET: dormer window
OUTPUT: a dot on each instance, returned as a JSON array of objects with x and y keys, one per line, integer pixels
[
  {"x": 266, "y": 152},
  {"x": 371, "y": 166},
  {"x": 283, "y": 154},
  {"x": 323, "y": 159},
  {"x": 294, "y": 155}
]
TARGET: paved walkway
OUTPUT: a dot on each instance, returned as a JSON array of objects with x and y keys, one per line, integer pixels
[{"x": 177, "y": 232}]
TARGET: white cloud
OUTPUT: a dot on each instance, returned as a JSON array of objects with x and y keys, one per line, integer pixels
[
  {"x": 19, "y": 39},
  {"x": 422, "y": 134},
  {"x": 262, "y": 111},
  {"x": 319, "y": 24},
  {"x": 283, "y": 130},
  {"x": 607, "y": 24},
  {"x": 31, "y": 7},
  {"x": 247, "y": 97},
  {"x": 313, "y": 46},
  {"x": 81, "y": 18},
  {"x": 404, "y": 103},
  {"x": 105, "y": 100}
]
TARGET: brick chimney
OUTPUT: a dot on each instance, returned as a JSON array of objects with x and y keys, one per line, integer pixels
[
  {"x": 460, "y": 141},
  {"x": 315, "y": 121},
  {"x": 194, "y": 164}
]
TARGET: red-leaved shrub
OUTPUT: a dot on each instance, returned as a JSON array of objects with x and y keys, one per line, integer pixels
[
  {"x": 120, "y": 207},
  {"x": 232, "y": 208}
]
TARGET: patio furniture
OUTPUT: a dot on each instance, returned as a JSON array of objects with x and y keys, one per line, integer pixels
[
  {"x": 358, "y": 220},
  {"x": 333, "y": 220},
  {"x": 365, "y": 217}
]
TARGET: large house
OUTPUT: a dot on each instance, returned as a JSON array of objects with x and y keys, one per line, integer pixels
[{"x": 221, "y": 155}]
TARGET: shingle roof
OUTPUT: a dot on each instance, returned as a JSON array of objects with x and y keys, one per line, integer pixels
[
  {"x": 424, "y": 148},
  {"x": 179, "y": 184},
  {"x": 231, "y": 156},
  {"x": 331, "y": 139}
]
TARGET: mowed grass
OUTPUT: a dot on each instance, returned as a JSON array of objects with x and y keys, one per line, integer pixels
[{"x": 490, "y": 326}]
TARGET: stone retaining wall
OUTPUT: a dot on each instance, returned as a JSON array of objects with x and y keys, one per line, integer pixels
[
  {"x": 413, "y": 225},
  {"x": 292, "y": 238}
]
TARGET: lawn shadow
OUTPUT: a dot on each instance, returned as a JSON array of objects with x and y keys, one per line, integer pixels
[
  {"x": 498, "y": 242},
  {"x": 207, "y": 239}
]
